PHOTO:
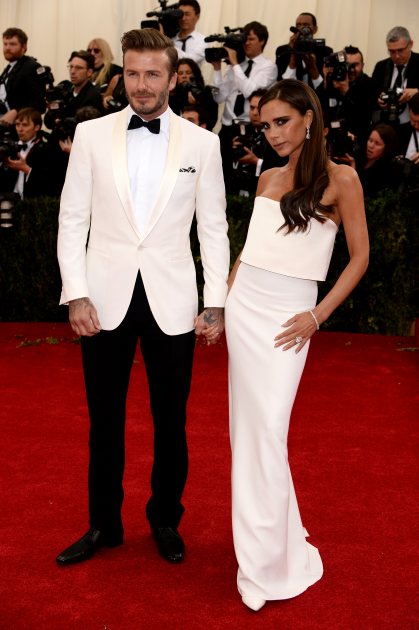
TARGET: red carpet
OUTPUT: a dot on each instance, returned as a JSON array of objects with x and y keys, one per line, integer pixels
[{"x": 353, "y": 445}]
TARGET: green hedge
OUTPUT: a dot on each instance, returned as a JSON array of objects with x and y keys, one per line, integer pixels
[{"x": 385, "y": 301}]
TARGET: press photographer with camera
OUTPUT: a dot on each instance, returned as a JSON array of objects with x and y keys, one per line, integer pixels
[
  {"x": 20, "y": 85},
  {"x": 397, "y": 78},
  {"x": 69, "y": 96},
  {"x": 350, "y": 93},
  {"x": 302, "y": 58},
  {"x": 249, "y": 70},
  {"x": 25, "y": 163},
  {"x": 189, "y": 42},
  {"x": 191, "y": 90}
]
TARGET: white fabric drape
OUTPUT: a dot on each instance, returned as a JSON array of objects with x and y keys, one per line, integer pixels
[{"x": 56, "y": 27}]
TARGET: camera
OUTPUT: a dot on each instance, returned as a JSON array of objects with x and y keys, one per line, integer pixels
[
  {"x": 338, "y": 140},
  {"x": 168, "y": 16},
  {"x": 339, "y": 65},
  {"x": 58, "y": 98},
  {"x": 243, "y": 134},
  {"x": 45, "y": 75},
  {"x": 408, "y": 174},
  {"x": 9, "y": 147},
  {"x": 183, "y": 89},
  {"x": 305, "y": 42},
  {"x": 233, "y": 38},
  {"x": 65, "y": 128},
  {"x": 391, "y": 98}
]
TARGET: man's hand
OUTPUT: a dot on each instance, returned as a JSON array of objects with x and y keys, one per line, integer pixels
[
  {"x": 415, "y": 158},
  {"x": 341, "y": 86},
  {"x": 210, "y": 323},
  {"x": 216, "y": 65},
  {"x": 18, "y": 165},
  {"x": 232, "y": 56},
  {"x": 249, "y": 158},
  {"x": 66, "y": 145},
  {"x": 9, "y": 117},
  {"x": 83, "y": 317},
  {"x": 407, "y": 94}
]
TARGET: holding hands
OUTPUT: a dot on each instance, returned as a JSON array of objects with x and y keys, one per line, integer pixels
[{"x": 210, "y": 324}]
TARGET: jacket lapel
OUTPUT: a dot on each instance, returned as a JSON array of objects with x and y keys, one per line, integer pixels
[
  {"x": 120, "y": 166},
  {"x": 171, "y": 172}
]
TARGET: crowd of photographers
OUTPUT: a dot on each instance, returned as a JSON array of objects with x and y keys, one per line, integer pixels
[{"x": 371, "y": 123}]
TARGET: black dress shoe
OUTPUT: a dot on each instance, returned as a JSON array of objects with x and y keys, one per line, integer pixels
[
  {"x": 170, "y": 543},
  {"x": 86, "y": 547}
]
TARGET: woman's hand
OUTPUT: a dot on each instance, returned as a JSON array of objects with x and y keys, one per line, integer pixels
[{"x": 299, "y": 330}]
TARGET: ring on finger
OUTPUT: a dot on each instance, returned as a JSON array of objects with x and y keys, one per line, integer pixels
[{"x": 298, "y": 339}]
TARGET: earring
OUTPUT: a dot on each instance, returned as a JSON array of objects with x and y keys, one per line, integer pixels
[{"x": 308, "y": 133}]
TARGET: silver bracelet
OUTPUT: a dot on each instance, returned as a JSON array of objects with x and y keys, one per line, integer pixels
[{"x": 315, "y": 319}]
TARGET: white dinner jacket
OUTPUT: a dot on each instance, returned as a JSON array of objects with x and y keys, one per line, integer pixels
[{"x": 97, "y": 210}]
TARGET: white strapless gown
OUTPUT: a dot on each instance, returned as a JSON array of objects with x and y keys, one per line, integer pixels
[{"x": 275, "y": 560}]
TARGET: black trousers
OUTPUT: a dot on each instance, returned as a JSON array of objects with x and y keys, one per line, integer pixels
[{"x": 107, "y": 361}]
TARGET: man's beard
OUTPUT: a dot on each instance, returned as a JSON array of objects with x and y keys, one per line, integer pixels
[{"x": 150, "y": 109}]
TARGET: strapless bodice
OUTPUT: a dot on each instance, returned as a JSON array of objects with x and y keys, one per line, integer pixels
[{"x": 298, "y": 254}]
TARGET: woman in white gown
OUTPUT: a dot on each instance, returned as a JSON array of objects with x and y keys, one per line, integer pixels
[{"x": 271, "y": 314}]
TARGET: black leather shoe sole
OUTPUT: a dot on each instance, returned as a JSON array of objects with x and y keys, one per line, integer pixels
[
  {"x": 170, "y": 544},
  {"x": 86, "y": 547}
]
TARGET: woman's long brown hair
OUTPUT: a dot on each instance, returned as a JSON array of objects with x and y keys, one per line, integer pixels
[{"x": 311, "y": 178}]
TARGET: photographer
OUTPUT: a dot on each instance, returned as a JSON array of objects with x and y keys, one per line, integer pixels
[
  {"x": 397, "y": 78},
  {"x": 191, "y": 90},
  {"x": 350, "y": 93},
  {"x": 189, "y": 42},
  {"x": 26, "y": 166},
  {"x": 241, "y": 79},
  {"x": 76, "y": 93},
  {"x": 303, "y": 57},
  {"x": 20, "y": 85}
]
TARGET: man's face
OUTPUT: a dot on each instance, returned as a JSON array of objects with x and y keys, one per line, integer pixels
[
  {"x": 79, "y": 71},
  {"x": 26, "y": 129},
  {"x": 253, "y": 45},
  {"x": 189, "y": 19},
  {"x": 414, "y": 120},
  {"x": 193, "y": 117},
  {"x": 356, "y": 66},
  {"x": 147, "y": 82},
  {"x": 253, "y": 111},
  {"x": 304, "y": 20},
  {"x": 400, "y": 51},
  {"x": 13, "y": 49}
]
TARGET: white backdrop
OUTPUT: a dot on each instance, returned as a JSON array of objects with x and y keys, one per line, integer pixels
[{"x": 56, "y": 27}]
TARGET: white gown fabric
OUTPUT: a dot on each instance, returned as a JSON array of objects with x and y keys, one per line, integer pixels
[{"x": 275, "y": 560}]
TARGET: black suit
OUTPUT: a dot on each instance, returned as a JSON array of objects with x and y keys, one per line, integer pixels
[
  {"x": 38, "y": 182},
  {"x": 383, "y": 73},
  {"x": 24, "y": 87}
]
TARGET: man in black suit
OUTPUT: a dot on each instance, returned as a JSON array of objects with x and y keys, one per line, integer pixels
[
  {"x": 76, "y": 93},
  {"x": 303, "y": 58},
  {"x": 396, "y": 78},
  {"x": 27, "y": 173},
  {"x": 20, "y": 84},
  {"x": 409, "y": 136}
]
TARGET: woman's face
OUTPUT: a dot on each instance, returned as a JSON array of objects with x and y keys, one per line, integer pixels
[
  {"x": 184, "y": 73},
  {"x": 284, "y": 126},
  {"x": 375, "y": 146},
  {"x": 94, "y": 49}
]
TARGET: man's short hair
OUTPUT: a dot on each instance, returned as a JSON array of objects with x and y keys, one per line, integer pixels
[
  {"x": 398, "y": 32},
  {"x": 313, "y": 17},
  {"x": 202, "y": 114},
  {"x": 258, "y": 93},
  {"x": 353, "y": 50},
  {"x": 259, "y": 30},
  {"x": 190, "y": 3},
  {"x": 30, "y": 113},
  {"x": 86, "y": 56},
  {"x": 150, "y": 39},
  {"x": 413, "y": 104},
  {"x": 16, "y": 32}
]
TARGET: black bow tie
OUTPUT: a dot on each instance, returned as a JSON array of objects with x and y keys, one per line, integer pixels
[
  {"x": 22, "y": 146},
  {"x": 152, "y": 125}
]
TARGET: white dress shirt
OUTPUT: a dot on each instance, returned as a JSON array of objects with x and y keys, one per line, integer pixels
[
  {"x": 404, "y": 115},
  {"x": 263, "y": 74},
  {"x": 291, "y": 73},
  {"x": 413, "y": 144},
  {"x": 22, "y": 177},
  {"x": 3, "y": 86},
  {"x": 194, "y": 47},
  {"x": 147, "y": 153}
]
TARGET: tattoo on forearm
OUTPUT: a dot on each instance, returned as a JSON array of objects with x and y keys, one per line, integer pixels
[{"x": 213, "y": 315}]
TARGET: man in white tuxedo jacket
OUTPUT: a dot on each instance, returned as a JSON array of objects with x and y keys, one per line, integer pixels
[{"x": 134, "y": 182}]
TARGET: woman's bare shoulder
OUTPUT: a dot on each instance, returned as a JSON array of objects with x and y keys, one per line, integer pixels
[{"x": 342, "y": 174}]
